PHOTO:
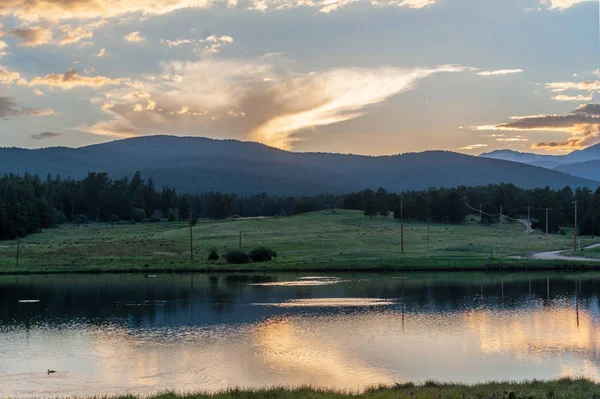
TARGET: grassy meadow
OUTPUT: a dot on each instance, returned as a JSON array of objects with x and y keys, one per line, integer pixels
[
  {"x": 560, "y": 389},
  {"x": 326, "y": 240}
]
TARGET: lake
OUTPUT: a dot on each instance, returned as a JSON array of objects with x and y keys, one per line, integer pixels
[{"x": 110, "y": 334}]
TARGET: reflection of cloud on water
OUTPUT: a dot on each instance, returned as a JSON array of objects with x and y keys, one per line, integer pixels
[
  {"x": 348, "y": 348},
  {"x": 302, "y": 281},
  {"x": 330, "y": 302},
  {"x": 307, "y": 356}
]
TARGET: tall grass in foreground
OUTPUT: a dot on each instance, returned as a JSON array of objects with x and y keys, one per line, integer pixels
[{"x": 566, "y": 388}]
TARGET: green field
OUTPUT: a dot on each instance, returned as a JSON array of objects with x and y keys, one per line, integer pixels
[
  {"x": 560, "y": 389},
  {"x": 327, "y": 240}
]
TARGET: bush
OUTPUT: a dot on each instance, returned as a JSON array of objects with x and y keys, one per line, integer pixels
[
  {"x": 80, "y": 219},
  {"x": 114, "y": 218},
  {"x": 237, "y": 257},
  {"x": 154, "y": 219},
  {"x": 139, "y": 214},
  {"x": 213, "y": 255},
  {"x": 59, "y": 217},
  {"x": 171, "y": 215},
  {"x": 262, "y": 254}
]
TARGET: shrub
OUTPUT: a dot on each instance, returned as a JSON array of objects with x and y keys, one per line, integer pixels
[
  {"x": 154, "y": 219},
  {"x": 213, "y": 255},
  {"x": 139, "y": 214},
  {"x": 171, "y": 215},
  {"x": 80, "y": 219},
  {"x": 262, "y": 254},
  {"x": 237, "y": 257},
  {"x": 114, "y": 218}
]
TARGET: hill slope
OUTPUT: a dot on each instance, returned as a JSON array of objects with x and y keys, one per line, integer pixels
[
  {"x": 200, "y": 164},
  {"x": 588, "y": 169}
]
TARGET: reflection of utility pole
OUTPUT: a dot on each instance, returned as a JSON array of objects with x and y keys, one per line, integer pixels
[
  {"x": 576, "y": 305},
  {"x": 192, "y": 298}
]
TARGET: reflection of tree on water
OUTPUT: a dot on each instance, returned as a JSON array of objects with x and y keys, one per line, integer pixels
[{"x": 172, "y": 299}]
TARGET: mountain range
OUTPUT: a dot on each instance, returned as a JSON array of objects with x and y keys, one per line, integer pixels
[
  {"x": 195, "y": 164},
  {"x": 581, "y": 163}
]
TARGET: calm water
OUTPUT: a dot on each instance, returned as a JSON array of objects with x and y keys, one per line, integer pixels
[{"x": 111, "y": 334}]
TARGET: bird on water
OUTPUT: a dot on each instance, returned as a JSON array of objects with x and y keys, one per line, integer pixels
[{"x": 51, "y": 371}]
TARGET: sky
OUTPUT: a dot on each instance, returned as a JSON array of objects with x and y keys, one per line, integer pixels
[{"x": 353, "y": 76}]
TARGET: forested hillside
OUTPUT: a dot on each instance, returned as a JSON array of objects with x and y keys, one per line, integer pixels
[
  {"x": 199, "y": 165},
  {"x": 29, "y": 204}
]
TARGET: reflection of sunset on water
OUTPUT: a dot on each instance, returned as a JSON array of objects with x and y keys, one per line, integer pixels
[{"x": 350, "y": 335}]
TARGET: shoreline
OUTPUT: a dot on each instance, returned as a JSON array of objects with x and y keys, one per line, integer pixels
[
  {"x": 559, "y": 388},
  {"x": 505, "y": 265}
]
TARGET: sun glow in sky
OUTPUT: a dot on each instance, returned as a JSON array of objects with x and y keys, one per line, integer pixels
[{"x": 370, "y": 77}]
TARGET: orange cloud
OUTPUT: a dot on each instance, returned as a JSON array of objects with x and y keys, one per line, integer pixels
[
  {"x": 72, "y": 79},
  {"x": 252, "y": 99},
  {"x": 582, "y": 123},
  {"x": 32, "y": 37}
]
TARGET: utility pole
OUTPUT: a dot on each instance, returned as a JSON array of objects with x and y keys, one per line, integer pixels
[
  {"x": 501, "y": 215},
  {"x": 18, "y": 250},
  {"x": 428, "y": 221},
  {"x": 575, "y": 228},
  {"x": 402, "y": 226},
  {"x": 593, "y": 220},
  {"x": 547, "y": 209},
  {"x": 480, "y": 215},
  {"x": 528, "y": 222},
  {"x": 191, "y": 239}
]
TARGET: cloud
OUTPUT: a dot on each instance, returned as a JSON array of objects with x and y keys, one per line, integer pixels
[
  {"x": 7, "y": 77},
  {"x": 512, "y": 139},
  {"x": 100, "y": 53},
  {"x": 71, "y": 35},
  {"x": 3, "y": 48},
  {"x": 72, "y": 79},
  {"x": 9, "y": 108},
  {"x": 38, "y": 92},
  {"x": 588, "y": 85},
  {"x": 32, "y": 37},
  {"x": 134, "y": 37},
  {"x": 55, "y": 10},
  {"x": 45, "y": 135},
  {"x": 499, "y": 72},
  {"x": 212, "y": 44},
  {"x": 251, "y": 99},
  {"x": 473, "y": 146},
  {"x": 582, "y": 123},
  {"x": 562, "y": 4},
  {"x": 579, "y": 98},
  {"x": 30, "y": 11}
]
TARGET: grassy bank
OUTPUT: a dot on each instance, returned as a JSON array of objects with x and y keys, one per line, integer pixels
[
  {"x": 560, "y": 389},
  {"x": 328, "y": 240}
]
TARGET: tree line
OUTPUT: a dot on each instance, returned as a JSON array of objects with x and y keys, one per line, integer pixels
[{"x": 29, "y": 204}]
